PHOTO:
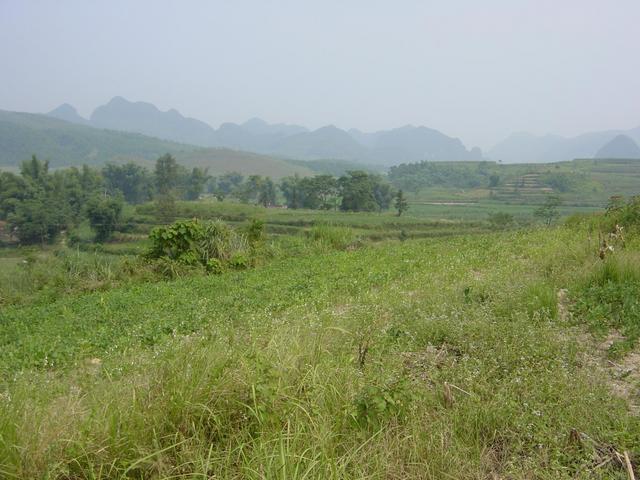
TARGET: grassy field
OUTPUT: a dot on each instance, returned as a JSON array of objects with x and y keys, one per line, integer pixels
[
  {"x": 439, "y": 358},
  {"x": 588, "y": 184}
]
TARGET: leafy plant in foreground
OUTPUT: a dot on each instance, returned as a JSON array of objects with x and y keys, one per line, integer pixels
[{"x": 212, "y": 245}]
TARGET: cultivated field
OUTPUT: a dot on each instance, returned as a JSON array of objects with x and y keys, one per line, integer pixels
[{"x": 470, "y": 355}]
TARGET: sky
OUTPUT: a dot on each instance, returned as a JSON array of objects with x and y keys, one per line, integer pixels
[{"x": 476, "y": 70}]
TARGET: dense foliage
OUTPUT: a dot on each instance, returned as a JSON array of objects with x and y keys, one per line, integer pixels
[
  {"x": 416, "y": 176},
  {"x": 212, "y": 245}
]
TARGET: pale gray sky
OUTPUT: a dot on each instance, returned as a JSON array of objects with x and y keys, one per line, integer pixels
[{"x": 478, "y": 70}]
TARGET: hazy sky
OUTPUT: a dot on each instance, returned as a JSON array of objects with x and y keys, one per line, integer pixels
[{"x": 475, "y": 69}]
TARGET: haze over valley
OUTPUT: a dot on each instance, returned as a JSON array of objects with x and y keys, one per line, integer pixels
[{"x": 296, "y": 240}]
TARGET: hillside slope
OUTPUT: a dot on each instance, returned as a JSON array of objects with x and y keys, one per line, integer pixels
[
  {"x": 527, "y": 148},
  {"x": 621, "y": 146},
  {"x": 67, "y": 144}
]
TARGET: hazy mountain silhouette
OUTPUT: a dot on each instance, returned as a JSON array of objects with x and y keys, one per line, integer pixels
[
  {"x": 145, "y": 118},
  {"x": 257, "y": 126},
  {"x": 325, "y": 142},
  {"x": 414, "y": 144},
  {"x": 68, "y": 113},
  {"x": 66, "y": 144},
  {"x": 621, "y": 146},
  {"x": 528, "y": 148},
  {"x": 405, "y": 144}
]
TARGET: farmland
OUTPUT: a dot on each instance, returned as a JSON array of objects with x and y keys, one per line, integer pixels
[{"x": 447, "y": 356}]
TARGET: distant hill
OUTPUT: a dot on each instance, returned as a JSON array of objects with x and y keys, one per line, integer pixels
[
  {"x": 405, "y": 144},
  {"x": 69, "y": 114},
  {"x": 67, "y": 144},
  {"x": 257, "y": 126},
  {"x": 414, "y": 144},
  {"x": 325, "y": 142},
  {"x": 621, "y": 146},
  {"x": 64, "y": 143},
  {"x": 528, "y": 148},
  {"x": 145, "y": 118}
]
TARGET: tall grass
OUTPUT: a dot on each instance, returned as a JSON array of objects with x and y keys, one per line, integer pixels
[
  {"x": 334, "y": 236},
  {"x": 327, "y": 366},
  {"x": 46, "y": 275}
]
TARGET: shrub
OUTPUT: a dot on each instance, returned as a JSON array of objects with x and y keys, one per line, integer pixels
[
  {"x": 500, "y": 220},
  {"x": 377, "y": 404},
  {"x": 255, "y": 231},
  {"x": 340, "y": 238},
  {"x": 623, "y": 213},
  {"x": 211, "y": 245}
]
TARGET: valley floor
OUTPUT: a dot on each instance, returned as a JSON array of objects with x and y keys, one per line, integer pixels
[{"x": 440, "y": 358}]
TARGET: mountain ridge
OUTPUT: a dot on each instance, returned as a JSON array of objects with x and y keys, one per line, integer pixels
[
  {"x": 621, "y": 146},
  {"x": 386, "y": 147},
  {"x": 524, "y": 147},
  {"x": 66, "y": 144}
]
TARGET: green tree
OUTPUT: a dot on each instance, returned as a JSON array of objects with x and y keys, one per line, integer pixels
[
  {"x": 358, "y": 192},
  {"x": 291, "y": 188},
  {"x": 267, "y": 192},
  {"x": 401, "y": 204},
  {"x": 104, "y": 216},
  {"x": 548, "y": 212},
  {"x": 36, "y": 220},
  {"x": 166, "y": 174},
  {"x": 133, "y": 181},
  {"x": 166, "y": 177},
  {"x": 13, "y": 190},
  {"x": 196, "y": 182},
  {"x": 34, "y": 170},
  {"x": 382, "y": 193},
  {"x": 226, "y": 184}
]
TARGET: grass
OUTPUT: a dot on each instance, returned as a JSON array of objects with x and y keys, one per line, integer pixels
[{"x": 331, "y": 365}]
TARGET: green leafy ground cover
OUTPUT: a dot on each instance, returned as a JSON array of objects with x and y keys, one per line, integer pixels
[{"x": 436, "y": 358}]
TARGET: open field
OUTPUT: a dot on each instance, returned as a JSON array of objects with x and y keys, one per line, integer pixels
[
  {"x": 581, "y": 183},
  {"x": 439, "y": 358}
]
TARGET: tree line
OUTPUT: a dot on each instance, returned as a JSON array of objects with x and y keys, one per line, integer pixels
[
  {"x": 355, "y": 191},
  {"x": 37, "y": 204}
]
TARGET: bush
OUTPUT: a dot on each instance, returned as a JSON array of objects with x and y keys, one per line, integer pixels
[
  {"x": 621, "y": 212},
  {"x": 500, "y": 220},
  {"x": 340, "y": 238},
  {"x": 211, "y": 245}
]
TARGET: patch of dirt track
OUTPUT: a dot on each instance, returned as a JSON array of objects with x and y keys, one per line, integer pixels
[{"x": 623, "y": 375}]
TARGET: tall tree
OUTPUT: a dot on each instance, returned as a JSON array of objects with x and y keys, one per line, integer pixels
[
  {"x": 267, "y": 192},
  {"x": 382, "y": 193},
  {"x": 104, "y": 215},
  {"x": 548, "y": 212},
  {"x": 196, "y": 182},
  {"x": 292, "y": 191},
  {"x": 133, "y": 181},
  {"x": 356, "y": 188},
  {"x": 401, "y": 204},
  {"x": 166, "y": 174}
]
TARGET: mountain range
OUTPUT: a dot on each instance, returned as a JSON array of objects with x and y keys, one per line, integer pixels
[
  {"x": 406, "y": 144},
  {"x": 527, "y": 148},
  {"x": 65, "y": 144},
  {"x": 388, "y": 147}
]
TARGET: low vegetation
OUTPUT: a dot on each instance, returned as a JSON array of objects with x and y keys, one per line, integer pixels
[{"x": 470, "y": 356}]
